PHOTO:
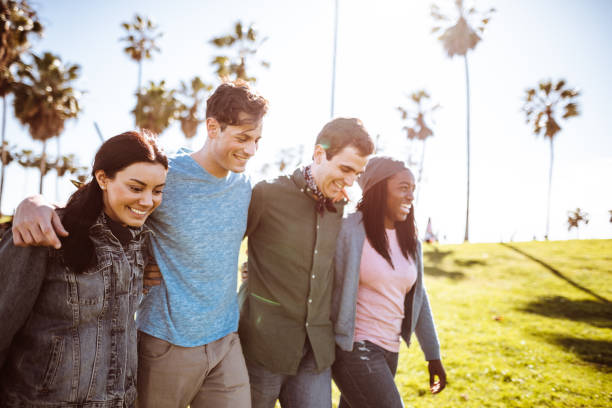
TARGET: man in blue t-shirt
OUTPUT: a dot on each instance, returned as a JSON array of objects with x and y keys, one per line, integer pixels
[{"x": 189, "y": 351}]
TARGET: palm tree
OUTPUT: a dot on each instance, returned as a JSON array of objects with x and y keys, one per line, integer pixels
[
  {"x": 192, "y": 110},
  {"x": 245, "y": 43},
  {"x": 18, "y": 22},
  {"x": 45, "y": 99},
  {"x": 575, "y": 218},
  {"x": 417, "y": 128},
  {"x": 157, "y": 108},
  {"x": 542, "y": 107},
  {"x": 141, "y": 42},
  {"x": 458, "y": 37}
]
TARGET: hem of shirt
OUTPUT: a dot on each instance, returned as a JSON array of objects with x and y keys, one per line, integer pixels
[
  {"x": 379, "y": 343},
  {"x": 163, "y": 335}
]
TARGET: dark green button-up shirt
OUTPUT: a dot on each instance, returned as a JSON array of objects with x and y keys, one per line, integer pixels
[{"x": 288, "y": 292}]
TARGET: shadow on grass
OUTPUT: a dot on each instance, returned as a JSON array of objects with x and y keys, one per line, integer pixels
[
  {"x": 590, "y": 351},
  {"x": 556, "y": 273},
  {"x": 469, "y": 262},
  {"x": 598, "y": 314},
  {"x": 435, "y": 271},
  {"x": 434, "y": 258}
]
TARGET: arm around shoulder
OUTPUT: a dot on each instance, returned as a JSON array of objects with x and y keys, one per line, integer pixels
[{"x": 36, "y": 223}]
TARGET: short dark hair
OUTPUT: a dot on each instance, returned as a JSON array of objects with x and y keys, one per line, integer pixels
[
  {"x": 85, "y": 205},
  {"x": 231, "y": 98},
  {"x": 342, "y": 132}
]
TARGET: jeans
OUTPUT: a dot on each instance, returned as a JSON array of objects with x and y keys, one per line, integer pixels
[
  {"x": 365, "y": 377},
  {"x": 306, "y": 389}
]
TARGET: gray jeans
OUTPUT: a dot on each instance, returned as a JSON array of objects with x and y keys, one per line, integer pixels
[{"x": 307, "y": 389}]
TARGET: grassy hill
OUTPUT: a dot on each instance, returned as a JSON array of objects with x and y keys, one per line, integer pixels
[{"x": 521, "y": 325}]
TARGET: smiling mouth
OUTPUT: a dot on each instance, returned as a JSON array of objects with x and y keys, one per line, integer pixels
[
  {"x": 138, "y": 212},
  {"x": 242, "y": 158},
  {"x": 406, "y": 207}
]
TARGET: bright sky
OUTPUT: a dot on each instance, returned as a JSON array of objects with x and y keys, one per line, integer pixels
[{"x": 385, "y": 51}]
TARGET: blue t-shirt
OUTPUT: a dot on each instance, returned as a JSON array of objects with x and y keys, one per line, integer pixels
[{"x": 197, "y": 229}]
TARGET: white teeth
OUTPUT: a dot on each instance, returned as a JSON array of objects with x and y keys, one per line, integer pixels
[{"x": 137, "y": 211}]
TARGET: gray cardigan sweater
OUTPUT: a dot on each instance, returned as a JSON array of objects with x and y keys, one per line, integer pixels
[{"x": 417, "y": 313}]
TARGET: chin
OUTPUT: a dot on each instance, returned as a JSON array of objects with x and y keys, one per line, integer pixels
[
  {"x": 238, "y": 168},
  {"x": 134, "y": 222}
]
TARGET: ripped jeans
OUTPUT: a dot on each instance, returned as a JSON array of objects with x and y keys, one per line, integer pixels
[{"x": 365, "y": 377}]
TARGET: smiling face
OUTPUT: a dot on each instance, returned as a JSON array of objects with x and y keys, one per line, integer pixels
[
  {"x": 400, "y": 194},
  {"x": 332, "y": 175},
  {"x": 232, "y": 146},
  {"x": 132, "y": 195}
]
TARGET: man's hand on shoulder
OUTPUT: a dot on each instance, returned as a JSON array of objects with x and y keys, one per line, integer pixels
[{"x": 37, "y": 224}]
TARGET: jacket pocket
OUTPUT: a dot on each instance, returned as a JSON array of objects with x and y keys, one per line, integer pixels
[{"x": 55, "y": 358}]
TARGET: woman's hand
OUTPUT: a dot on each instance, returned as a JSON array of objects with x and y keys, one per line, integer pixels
[{"x": 436, "y": 369}]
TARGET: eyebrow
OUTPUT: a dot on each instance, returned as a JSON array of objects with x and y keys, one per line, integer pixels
[
  {"x": 245, "y": 133},
  {"x": 144, "y": 184}
]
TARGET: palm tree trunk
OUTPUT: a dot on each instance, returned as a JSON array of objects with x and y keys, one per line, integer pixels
[
  {"x": 57, "y": 176},
  {"x": 43, "y": 163},
  {"x": 550, "y": 170},
  {"x": 333, "y": 84},
  {"x": 416, "y": 199},
  {"x": 138, "y": 92},
  {"x": 467, "y": 91},
  {"x": 3, "y": 150}
]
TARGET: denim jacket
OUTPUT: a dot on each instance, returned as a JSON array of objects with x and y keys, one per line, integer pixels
[
  {"x": 417, "y": 313},
  {"x": 69, "y": 339}
]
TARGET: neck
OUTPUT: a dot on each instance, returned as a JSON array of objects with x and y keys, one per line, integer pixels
[
  {"x": 206, "y": 159},
  {"x": 315, "y": 175},
  {"x": 389, "y": 224}
]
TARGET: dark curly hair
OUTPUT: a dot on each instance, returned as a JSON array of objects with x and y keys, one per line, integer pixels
[{"x": 231, "y": 98}]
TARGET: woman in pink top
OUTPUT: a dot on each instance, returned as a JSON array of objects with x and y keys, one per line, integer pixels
[{"x": 379, "y": 294}]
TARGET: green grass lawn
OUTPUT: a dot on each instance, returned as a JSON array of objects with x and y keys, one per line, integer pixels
[{"x": 521, "y": 325}]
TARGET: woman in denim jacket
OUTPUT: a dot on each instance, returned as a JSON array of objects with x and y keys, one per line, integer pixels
[
  {"x": 68, "y": 336},
  {"x": 379, "y": 295}
]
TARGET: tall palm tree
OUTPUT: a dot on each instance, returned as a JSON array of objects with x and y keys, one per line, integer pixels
[
  {"x": 157, "y": 108},
  {"x": 244, "y": 42},
  {"x": 45, "y": 99},
  {"x": 18, "y": 21},
  {"x": 417, "y": 127},
  {"x": 192, "y": 108},
  {"x": 141, "y": 42},
  {"x": 544, "y": 106},
  {"x": 461, "y": 33},
  {"x": 575, "y": 218}
]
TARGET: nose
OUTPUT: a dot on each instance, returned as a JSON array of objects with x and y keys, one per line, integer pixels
[
  {"x": 146, "y": 199},
  {"x": 251, "y": 148},
  {"x": 349, "y": 179}
]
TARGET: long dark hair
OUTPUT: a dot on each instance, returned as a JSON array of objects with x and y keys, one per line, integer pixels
[
  {"x": 372, "y": 206},
  {"x": 85, "y": 205}
]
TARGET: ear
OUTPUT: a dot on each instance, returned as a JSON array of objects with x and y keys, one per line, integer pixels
[
  {"x": 213, "y": 128},
  {"x": 319, "y": 154},
  {"x": 101, "y": 179}
]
